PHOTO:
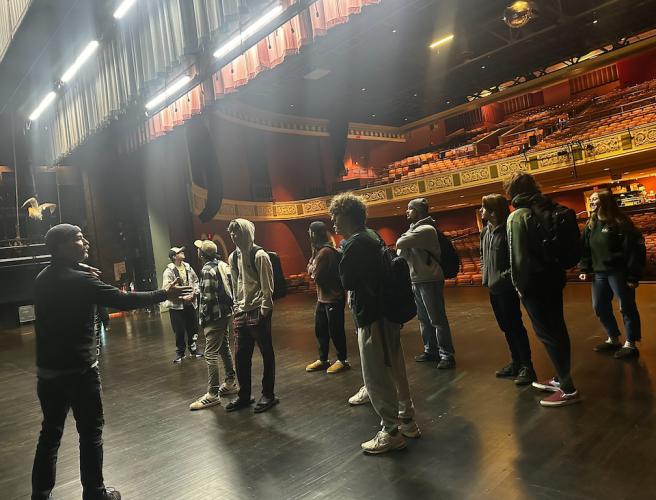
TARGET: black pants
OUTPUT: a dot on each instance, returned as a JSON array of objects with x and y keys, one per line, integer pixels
[
  {"x": 185, "y": 327},
  {"x": 509, "y": 317},
  {"x": 329, "y": 324},
  {"x": 82, "y": 393},
  {"x": 543, "y": 301},
  {"x": 246, "y": 337}
]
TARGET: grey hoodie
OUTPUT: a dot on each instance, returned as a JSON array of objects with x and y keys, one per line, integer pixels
[
  {"x": 420, "y": 247},
  {"x": 252, "y": 288}
]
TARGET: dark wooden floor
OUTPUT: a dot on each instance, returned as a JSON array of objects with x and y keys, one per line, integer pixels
[{"x": 482, "y": 437}]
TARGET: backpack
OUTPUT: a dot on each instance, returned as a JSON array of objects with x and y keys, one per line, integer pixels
[
  {"x": 399, "y": 299},
  {"x": 559, "y": 233},
  {"x": 279, "y": 281},
  {"x": 449, "y": 259}
]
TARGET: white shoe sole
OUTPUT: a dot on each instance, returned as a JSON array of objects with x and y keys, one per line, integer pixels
[
  {"x": 566, "y": 402},
  {"x": 400, "y": 446},
  {"x": 358, "y": 402},
  {"x": 545, "y": 387},
  {"x": 216, "y": 403}
]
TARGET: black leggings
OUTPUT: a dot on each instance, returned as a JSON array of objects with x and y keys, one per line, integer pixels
[{"x": 329, "y": 324}]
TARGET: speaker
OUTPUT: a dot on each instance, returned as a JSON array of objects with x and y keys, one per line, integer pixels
[
  {"x": 205, "y": 164},
  {"x": 533, "y": 141}
]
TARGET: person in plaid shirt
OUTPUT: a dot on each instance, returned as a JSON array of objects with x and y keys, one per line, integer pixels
[{"x": 215, "y": 318}]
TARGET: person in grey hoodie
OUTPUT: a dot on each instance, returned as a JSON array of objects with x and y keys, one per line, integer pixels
[
  {"x": 420, "y": 247},
  {"x": 252, "y": 292}
]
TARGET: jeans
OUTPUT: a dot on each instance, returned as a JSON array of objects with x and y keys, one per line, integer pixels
[
  {"x": 604, "y": 287},
  {"x": 247, "y": 336},
  {"x": 433, "y": 323},
  {"x": 329, "y": 324},
  {"x": 81, "y": 392},
  {"x": 383, "y": 371},
  {"x": 509, "y": 317},
  {"x": 543, "y": 301},
  {"x": 185, "y": 327},
  {"x": 217, "y": 342}
]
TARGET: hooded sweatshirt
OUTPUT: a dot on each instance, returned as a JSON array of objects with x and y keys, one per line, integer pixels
[
  {"x": 420, "y": 247},
  {"x": 252, "y": 287}
]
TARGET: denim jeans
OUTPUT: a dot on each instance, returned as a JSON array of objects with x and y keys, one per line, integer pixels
[
  {"x": 509, "y": 317},
  {"x": 604, "y": 287},
  {"x": 81, "y": 392},
  {"x": 329, "y": 324},
  {"x": 433, "y": 323},
  {"x": 217, "y": 343}
]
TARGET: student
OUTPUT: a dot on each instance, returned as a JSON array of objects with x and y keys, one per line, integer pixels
[
  {"x": 329, "y": 312},
  {"x": 215, "y": 316},
  {"x": 539, "y": 284},
  {"x": 182, "y": 312},
  {"x": 379, "y": 340},
  {"x": 614, "y": 251},
  {"x": 65, "y": 298},
  {"x": 252, "y": 291},
  {"x": 495, "y": 267},
  {"x": 420, "y": 247}
]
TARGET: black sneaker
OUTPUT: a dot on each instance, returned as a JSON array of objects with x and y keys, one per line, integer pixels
[
  {"x": 525, "y": 376},
  {"x": 510, "y": 370},
  {"x": 110, "y": 494},
  {"x": 265, "y": 404},
  {"x": 627, "y": 353},
  {"x": 178, "y": 358},
  {"x": 607, "y": 347},
  {"x": 239, "y": 404},
  {"x": 447, "y": 364},
  {"x": 426, "y": 356},
  {"x": 196, "y": 354}
]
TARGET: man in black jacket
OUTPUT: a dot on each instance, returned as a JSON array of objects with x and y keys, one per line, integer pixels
[{"x": 65, "y": 296}]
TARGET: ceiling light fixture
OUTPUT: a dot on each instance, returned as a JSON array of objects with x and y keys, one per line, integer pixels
[
  {"x": 248, "y": 32},
  {"x": 175, "y": 86},
  {"x": 50, "y": 96},
  {"x": 441, "y": 41},
  {"x": 123, "y": 8},
  {"x": 88, "y": 51}
]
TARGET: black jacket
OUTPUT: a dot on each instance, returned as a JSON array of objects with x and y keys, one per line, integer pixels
[
  {"x": 64, "y": 305},
  {"x": 495, "y": 260}
]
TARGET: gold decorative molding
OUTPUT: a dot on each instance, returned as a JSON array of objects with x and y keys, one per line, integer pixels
[{"x": 562, "y": 156}]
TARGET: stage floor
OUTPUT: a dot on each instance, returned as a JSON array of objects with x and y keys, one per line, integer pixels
[{"x": 483, "y": 438}]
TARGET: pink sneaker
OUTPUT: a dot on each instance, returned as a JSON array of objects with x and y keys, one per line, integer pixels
[
  {"x": 551, "y": 385},
  {"x": 559, "y": 398}
]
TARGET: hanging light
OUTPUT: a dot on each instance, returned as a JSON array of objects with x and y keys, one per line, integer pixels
[
  {"x": 45, "y": 102},
  {"x": 248, "y": 32},
  {"x": 81, "y": 59},
  {"x": 122, "y": 9},
  {"x": 168, "y": 92}
]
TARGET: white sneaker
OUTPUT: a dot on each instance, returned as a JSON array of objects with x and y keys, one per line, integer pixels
[
  {"x": 383, "y": 442},
  {"x": 228, "y": 387},
  {"x": 410, "y": 430},
  {"x": 359, "y": 398},
  {"x": 205, "y": 401}
]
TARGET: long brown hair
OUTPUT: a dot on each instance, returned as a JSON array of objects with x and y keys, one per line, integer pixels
[
  {"x": 610, "y": 211},
  {"x": 498, "y": 204}
]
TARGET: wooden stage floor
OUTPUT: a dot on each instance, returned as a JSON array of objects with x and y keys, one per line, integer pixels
[{"x": 483, "y": 438}]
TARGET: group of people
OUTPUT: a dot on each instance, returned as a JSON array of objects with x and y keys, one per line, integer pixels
[{"x": 238, "y": 295}]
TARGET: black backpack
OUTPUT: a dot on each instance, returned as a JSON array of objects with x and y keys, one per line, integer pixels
[
  {"x": 279, "y": 281},
  {"x": 559, "y": 233},
  {"x": 399, "y": 299},
  {"x": 449, "y": 260}
]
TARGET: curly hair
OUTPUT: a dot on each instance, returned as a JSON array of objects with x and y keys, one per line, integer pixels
[
  {"x": 521, "y": 183},
  {"x": 351, "y": 205}
]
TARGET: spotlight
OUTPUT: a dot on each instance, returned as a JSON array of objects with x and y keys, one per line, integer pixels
[
  {"x": 519, "y": 13},
  {"x": 441, "y": 41}
]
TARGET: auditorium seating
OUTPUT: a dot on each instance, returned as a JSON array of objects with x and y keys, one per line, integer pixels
[{"x": 646, "y": 222}]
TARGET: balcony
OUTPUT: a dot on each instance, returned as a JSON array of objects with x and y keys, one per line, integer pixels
[{"x": 12, "y": 13}]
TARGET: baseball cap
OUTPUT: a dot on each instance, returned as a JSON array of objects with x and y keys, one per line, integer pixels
[
  {"x": 175, "y": 251},
  {"x": 207, "y": 247}
]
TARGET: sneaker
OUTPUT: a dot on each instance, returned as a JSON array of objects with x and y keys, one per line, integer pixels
[
  {"x": 551, "y": 385},
  {"x": 317, "y": 366},
  {"x": 110, "y": 494},
  {"x": 383, "y": 442},
  {"x": 239, "y": 404},
  {"x": 526, "y": 376},
  {"x": 607, "y": 347},
  {"x": 196, "y": 354},
  {"x": 205, "y": 401},
  {"x": 425, "y": 356},
  {"x": 410, "y": 430},
  {"x": 265, "y": 403},
  {"x": 627, "y": 353},
  {"x": 228, "y": 387},
  {"x": 510, "y": 370},
  {"x": 178, "y": 358},
  {"x": 559, "y": 398},
  {"x": 359, "y": 398},
  {"x": 447, "y": 363},
  {"x": 338, "y": 366}
]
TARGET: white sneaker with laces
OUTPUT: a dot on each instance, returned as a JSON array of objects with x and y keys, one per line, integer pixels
[
  {"x": 228, "y": 387},
  {"x": 359, "y": 398},
  {"x": 206, "y": 401},
  {"x": 410, "y": 430},
  {"x": 384, "y": 442}
]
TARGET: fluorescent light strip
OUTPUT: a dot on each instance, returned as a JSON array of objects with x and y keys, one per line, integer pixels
[
  {"x": 441, "y": 41},
  {"x": 50, "y": 96},
  {"x": 249, "y": 31},
  {"x": 81, "y": 59},
  {"x": 123, "y": 8},
  {"x": 177, "y": 85}
]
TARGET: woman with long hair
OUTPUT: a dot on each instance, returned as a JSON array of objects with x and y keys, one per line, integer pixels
[{"x": 614, "y": 252}]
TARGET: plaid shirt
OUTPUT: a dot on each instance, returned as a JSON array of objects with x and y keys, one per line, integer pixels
[{"x": 215, "y": 299}]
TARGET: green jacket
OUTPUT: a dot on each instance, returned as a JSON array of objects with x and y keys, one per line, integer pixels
[
  {"x": 610, "y": 248},
  {"x": 495, "y": 259}
]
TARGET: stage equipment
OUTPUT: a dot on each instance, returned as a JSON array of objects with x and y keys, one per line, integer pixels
[{"x": 519, "y": 13}]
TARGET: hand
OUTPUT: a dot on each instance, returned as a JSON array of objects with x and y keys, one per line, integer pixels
[
  {"x": 92, "y": 270},
  {"x": 583, "y": 276},
  {"x": 188, "y": 298},
  {"x": 631, "y": 284},
  {"x": 175, "y": 292},
  {"x": 265, "y": 312}
]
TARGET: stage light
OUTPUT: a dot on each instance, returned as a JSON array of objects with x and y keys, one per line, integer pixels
[
  {"x": 175, "y": 86},
  {"x": 441, "y": 41},
  {"x": 50, "y": 96},
  {"x": 234, "y": 42},
  {"x": 81, "y": 59},
  {"x": 123, "y": 8}
]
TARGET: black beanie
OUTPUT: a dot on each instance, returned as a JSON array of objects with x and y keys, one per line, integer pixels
[{"x": 61, "y": 233}]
